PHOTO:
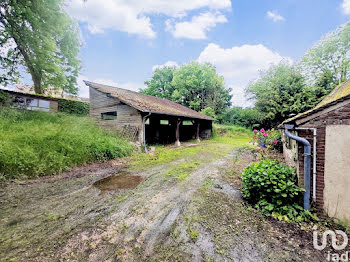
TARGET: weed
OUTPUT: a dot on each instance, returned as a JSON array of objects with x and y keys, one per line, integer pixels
[{"x": 39, "y": 143}]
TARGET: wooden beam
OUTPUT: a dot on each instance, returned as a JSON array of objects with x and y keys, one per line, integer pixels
[
  {"x": 198, "y": 125},
  {"x": 177, "y": 134}
]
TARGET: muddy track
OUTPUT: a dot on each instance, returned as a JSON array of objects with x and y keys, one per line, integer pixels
[{"x": 198, "y": 218}]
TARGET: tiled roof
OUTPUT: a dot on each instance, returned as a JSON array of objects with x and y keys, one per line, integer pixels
[
  {"x": 339, "y": 94},
  {"x": 146, "y": 103}
]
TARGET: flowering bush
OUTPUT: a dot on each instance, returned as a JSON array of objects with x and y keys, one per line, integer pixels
[{"x": 265, "y": 140}]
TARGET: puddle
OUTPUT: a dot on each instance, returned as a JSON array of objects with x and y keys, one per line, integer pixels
[{"x": 119, "y": 181}]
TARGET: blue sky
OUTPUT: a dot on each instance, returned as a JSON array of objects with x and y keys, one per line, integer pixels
[{"x": 125, "y": 39}]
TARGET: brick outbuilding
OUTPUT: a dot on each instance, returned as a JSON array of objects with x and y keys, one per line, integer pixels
[{"x": 327, "y": 128}]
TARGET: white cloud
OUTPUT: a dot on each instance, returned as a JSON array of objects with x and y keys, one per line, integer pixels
[
  {"x": 131, "y": 15},
  {"x": 346, "y": 7},
  {"x": 84, "y": 89},
  {"x": 197, "y": 27},
  {"x": 169, "y": 64},
  {"x": 275, "y": 16},
  {"x": 239, "y": 65}
]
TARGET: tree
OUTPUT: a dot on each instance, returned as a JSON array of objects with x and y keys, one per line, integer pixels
[
  {"x": 329, "y": 56},
  {"x": 199, "y": 86},
  {"x": 280, "y": 91},
  {"x": 39, "y": 35},
  {"x": 208, "y": 111},
  {"x": 161, "y": 83},
  {"x": 247, "y": 117},
  {"x": 194, "y": 85}
]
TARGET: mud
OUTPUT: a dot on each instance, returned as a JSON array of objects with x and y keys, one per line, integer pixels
[
  {"x": 122, "y": 180},
  {"x": 158, "y": 218}
]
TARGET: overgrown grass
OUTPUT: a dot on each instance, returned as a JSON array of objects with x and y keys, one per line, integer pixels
[
  {"x": 230, "y": 130},
  {"x": 40, "y": 143},
  {"x": 181, "y": 171}
]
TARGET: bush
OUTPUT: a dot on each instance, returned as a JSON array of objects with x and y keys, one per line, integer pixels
[
  {"x": 4, "y": 98},
  {"x": 271, "y": 186},
  {"x": 73, "y": 107},
  {"x": 36, "y": 143}
]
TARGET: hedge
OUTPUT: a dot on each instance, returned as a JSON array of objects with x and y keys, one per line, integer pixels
[{"x": 73, "y": 107}]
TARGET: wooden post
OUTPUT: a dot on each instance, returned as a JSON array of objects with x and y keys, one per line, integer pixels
[
  {"x": 198, "y": 139},
  {"x": 177, "y": 134}
]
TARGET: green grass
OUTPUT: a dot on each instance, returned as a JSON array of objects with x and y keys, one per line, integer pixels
[
  {"x": 181, "y": 171},
  {"x": 229, "y": 130},
  {"x": 40, "y": 143}
]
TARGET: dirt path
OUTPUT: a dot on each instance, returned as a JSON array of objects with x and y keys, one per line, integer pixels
[{"x": 183, "y": 210}]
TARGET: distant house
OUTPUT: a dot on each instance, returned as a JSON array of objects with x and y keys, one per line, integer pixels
[
  {"x": 327, "y": 128},
  {"x": 146, "y": 118},
  {"x": 29, "y": 101}
]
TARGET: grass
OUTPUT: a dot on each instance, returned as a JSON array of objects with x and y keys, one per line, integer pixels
[
  {"x": 229, "y": 130},
  {"x": 40, "y": 143},
  {"x": 181, "y": 171}
]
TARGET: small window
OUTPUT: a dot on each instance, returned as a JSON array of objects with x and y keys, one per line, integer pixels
[
  {"x": 147, "y": 122},
  {"x": 164, "y": 122},
  {"x": 187, "y": 123},
  {"x": 44, "y": 103},
  {"x": 32, "y": 102},
  {"x": 109, "y": 115}
]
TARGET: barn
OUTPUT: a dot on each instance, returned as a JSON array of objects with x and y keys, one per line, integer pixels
[
  {"x": 327, "y": 129},
  {"x": 144, "y": 118}
]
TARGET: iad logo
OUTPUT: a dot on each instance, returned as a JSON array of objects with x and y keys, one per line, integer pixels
[{"x": 333, "y": 235}]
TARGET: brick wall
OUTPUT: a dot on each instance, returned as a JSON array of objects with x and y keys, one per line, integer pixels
[{"x": 339, "y": 116}]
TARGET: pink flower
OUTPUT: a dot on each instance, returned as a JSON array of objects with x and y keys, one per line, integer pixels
[
  {"x": 262, "y": 130},
  {"x": 265, "y": 134},
  {"x": 255, "y": 131},
  {"x": 257, "y": 149},
  {"x": 275, "y": 142}
]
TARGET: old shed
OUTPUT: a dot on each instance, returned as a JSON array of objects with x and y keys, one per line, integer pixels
[
  {"x": 146, "y": 118},
  {"x": 327, "y": 128}
]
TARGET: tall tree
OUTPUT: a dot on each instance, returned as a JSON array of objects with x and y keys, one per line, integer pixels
[
  {"x": 280, "y": 91},
  {"x": 194, "y": 85},
  {"x": 161, "y": 84},
  {"x": 330, "y": 56},
  {"x": 39, "y": 35}
]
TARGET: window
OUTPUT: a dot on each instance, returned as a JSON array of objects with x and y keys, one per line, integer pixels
[
  {"x": 32, "y": 102},
  {"x": 164, "y": 122},
  {"x": 44, "y": 104},
  {"x": 109, "y": 115},
  {"x": 187, "y": 123},
  {"x": 19, "y": 102},
  {"x": 147, "y": 122}
]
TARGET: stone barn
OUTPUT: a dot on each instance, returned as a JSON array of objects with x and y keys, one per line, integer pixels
[
  {"x": 144, "y": 118},
  {"x": 327, "y": 129}
]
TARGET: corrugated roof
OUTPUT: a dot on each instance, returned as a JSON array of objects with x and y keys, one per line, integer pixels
[
  {"x": 339, "y": 94},
  {"x": 146, "y": 103}
]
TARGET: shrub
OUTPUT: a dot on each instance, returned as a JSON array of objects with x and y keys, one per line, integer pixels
[
  {"x": 73, "y": 107},
  {"x": 4, "y": 98},
  {"x": 36, "y": 143},
  {"x": 271, "y": 186}
]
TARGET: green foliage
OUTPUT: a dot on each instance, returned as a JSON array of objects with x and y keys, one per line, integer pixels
[
  {"x": 73, "y": 107},
  {"x": 280, "y": 91},
  {"x": 194, "y": 85},
  {"x": 39, "y": 35},
  {"x": 208, "y": 111},
  {"x": 161, "y": 83},
  {"x": 248, "y": 117},
  {"x": 4, "y": 98},
  {"x": 230, "y": 130},
  {"x": 329, "y": 57},
  {"x": 38, "y": 143},
  {"x": 272, "y": 187}
]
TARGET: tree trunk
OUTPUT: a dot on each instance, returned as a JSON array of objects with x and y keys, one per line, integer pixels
[{"x": 37, "y": 83}]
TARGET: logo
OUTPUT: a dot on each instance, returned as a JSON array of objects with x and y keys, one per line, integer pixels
[{"x": 334, "y": 242}]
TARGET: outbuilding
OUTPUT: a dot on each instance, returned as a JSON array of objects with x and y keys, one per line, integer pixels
[
  {"x": 145, "y": 118},
  {"x": 327, "y": 129}
]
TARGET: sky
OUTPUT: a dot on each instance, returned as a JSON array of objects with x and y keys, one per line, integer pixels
[{"x": 125, "y": 40}]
